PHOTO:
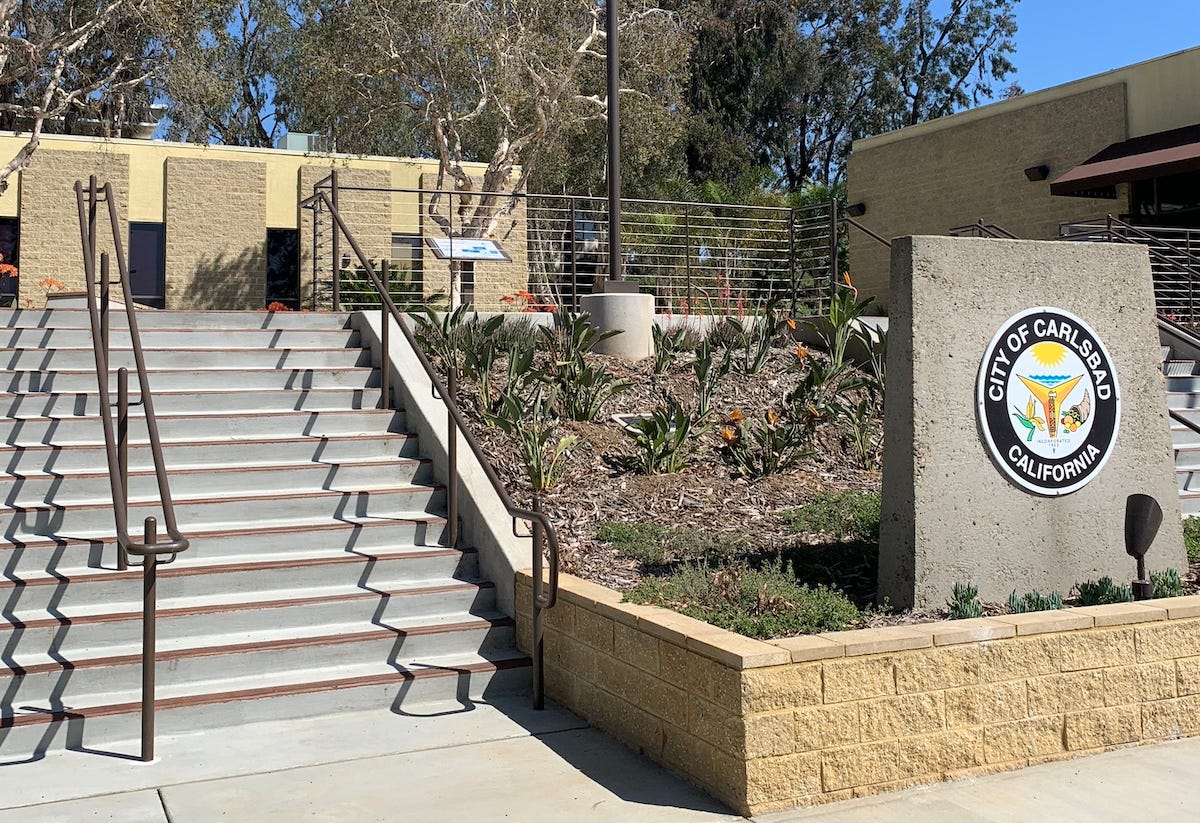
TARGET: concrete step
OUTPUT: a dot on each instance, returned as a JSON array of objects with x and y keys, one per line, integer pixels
[
  {"x": 30, "y": 595},
  {"x": 201, "y": 454},
  {"x": 61, "y": 558},
  {"x": 1179, "y": 368},
  {"x": 1166, "y": 352},
  {"x": 195, "y": 513},
  {"x": 154, "y": 338},
  {"x": 264, "y": 698},
  {"x": 147, "y": 320},
  {"x": 1187, "y": 479},
  {"x": 1182, "y": 435},
  {"x": 190, "y": 428},
  {"x": 255, "y": 380},
  {"x": 223, "y": 360},
  {"x": 251, "y": 477},
  {"x": 39, "y": 679},
  {"x": 194, "y": 402},
  {"x": 1183, "y": 384},
  {"x": 1189, "y": 503},
  {"x": 80, "y": 632}
]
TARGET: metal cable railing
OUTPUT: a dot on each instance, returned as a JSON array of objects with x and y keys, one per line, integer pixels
[
  {"x": 545, "y": 592},
  {"x": 116, "y": 437},
  {"x": 982, "y": 229}
]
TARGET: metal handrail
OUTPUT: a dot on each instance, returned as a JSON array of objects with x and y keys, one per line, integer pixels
[
  {"x": 116, "y": 443},
  {"x": 984, "y": 229},
  {"x": 1150, "y": 238},
  {"x": 848, "y": 220},
  {"x": 545, "y": 593}
]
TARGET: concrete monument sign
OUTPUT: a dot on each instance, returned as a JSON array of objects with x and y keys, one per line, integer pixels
[{"x": 1024, "y": 405}]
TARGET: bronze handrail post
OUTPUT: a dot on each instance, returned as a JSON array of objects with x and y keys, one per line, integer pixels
[
  {"x": 336, "y": 246},
  {"x": 149, "y": 637},
  {"x": 123, "y": 453}
]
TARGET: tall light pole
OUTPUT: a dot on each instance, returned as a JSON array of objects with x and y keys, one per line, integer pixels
[{"x": 613, "y": 52}]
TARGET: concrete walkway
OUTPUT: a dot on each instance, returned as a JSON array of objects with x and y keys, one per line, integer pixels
[{"x": 509, "y": 763}]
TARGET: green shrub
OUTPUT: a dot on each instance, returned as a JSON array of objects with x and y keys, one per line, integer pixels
[
  {"x": 964, "y": 602},
  {"x": 656, "y": 545},
  {"x": 1167, "y": 583},
  {"x": 1104, "y": 590},
  {"x": 767, "y": 447},
  {"x": 754, "y": 602},
  {"x": 662, "y": 441},
  {"x": 844, "y": 516},
  {"x": 1034, "y": 602},
  {"x": 1191, "y": 537},
  {"x": 669, "y": 344},
  {"x": 710, "y": 371}
]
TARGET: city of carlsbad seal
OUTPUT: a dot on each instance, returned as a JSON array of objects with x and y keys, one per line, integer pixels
[{"x": 1048, "y": 401}]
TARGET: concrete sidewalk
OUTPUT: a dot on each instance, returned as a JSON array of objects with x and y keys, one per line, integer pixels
[{"x": 509, "y": 763}]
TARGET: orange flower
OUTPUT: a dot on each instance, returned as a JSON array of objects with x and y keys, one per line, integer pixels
[
  {"x": 801, "y": 352},
  {"x": 846, "y": 277},
  {"x": 728, "y": 434},
  {"x": 772, "y": 417},
  {"x": 508, "y": 298},
  {"x": 791, "y": 323},
  {"x": 736, "y": 416}
]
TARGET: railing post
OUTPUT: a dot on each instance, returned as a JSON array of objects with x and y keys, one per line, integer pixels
[
  {"x": 452, "y": 457},
  {"x": 123, "y": 454},
  {"x": 93, "y": 198},
  {"x": 385, "y": 397},
  {"x": 149, "y": 621},
  {"x": 833, "y": 247},
  {"x": 537, "y": 640},
  {"x": 687, "y": 253},
  {"x": 574, "y": 253},
  {"x": 336, "y": 245},
  {"x": 104, "y": 298},
  {"x": 792, "y": 259}
]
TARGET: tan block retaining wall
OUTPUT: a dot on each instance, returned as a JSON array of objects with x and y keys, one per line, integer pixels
[{"x": 828, "y": 717}]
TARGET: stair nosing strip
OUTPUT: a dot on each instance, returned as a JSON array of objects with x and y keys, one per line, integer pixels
[
  {"x": 311, "y": 438},
  {"x": 307, "y": 465},
  {"x": 309, "y": 687}
]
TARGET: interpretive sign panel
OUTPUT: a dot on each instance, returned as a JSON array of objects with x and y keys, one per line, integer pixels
[{"x": 467, "y": 249}]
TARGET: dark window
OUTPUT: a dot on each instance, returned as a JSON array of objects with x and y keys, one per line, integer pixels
[
  {"x": 406, "y": 272},
  {"x": 1173, "y": 200},
  {"x": 10, "y": 233},
  {"x": 283, "y": 267},
  {"x": 147, "y": 263},
  {"x": 468, "y": 282}
]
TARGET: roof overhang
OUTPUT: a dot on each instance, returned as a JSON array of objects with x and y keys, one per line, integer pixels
[{"x": 1141, "y": 158}]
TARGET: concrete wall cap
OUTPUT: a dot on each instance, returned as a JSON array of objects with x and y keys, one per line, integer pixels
[
  {"x": 1051, "y": 621},
  {"x": 876, "y": 641}
]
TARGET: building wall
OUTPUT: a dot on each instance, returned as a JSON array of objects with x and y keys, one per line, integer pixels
[
  {"x": 216, "y": 232},
  {"x": 50, "y": 248},
  {"x": 933, "y": 180}
]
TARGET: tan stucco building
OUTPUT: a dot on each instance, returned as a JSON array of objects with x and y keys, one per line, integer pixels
[
  {"x": 1023, "y": 164},
  {"x": 220, "y": 227}
]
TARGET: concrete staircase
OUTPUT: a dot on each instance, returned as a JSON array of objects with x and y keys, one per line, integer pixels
[
  {"x": 1183, "y": 399},
  {"x": 316, "y": 582}
]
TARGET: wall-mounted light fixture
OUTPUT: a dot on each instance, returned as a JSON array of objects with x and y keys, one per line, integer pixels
[
  {"x": 856, "y": 209},
  {"x": 1035, "y": 173}
]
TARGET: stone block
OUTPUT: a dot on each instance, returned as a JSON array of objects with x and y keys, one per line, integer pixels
[
  {"x": 1139, "y": 684},
  {"x": 1123, "y": 614},
  {"x": 1023, "y": 739},
  {"x": 939, "y": 754},
  {"x": 1160, "y": 641},
  {"x": 810, "y": 647},
  {"x": 1049, "y": 622},
  {"x": 986, "y": 703},
  {"x": 1098, "y": 728},
  {"x": 713, "y": 724},
  {"x": 1018, "y": 658},
  {"x": 823, "y": 727},
  {"x": 862, "y": 765},
  {"x": 953, "y": 632},
  {"x": 1058, "y": 693},
  {"x": 713, "y": 682},
  {"x": 902, "y": 716},
  {"x": 877, "y": 641},
  {"x": 1171, "y": 719},
  {"x": 636, "y": 648},
  {"x": 1096, "y": 649},
  {"x": 688, "y": 754},
  {"x": 781, "y": 687},
  {"x": 858, "y": 678},
  {"x": 938, "y": 668},
  {"x": 594, "y": 629},
  {"x": 1188, "y": 676},
  {"x": 770, "y": 734},
  {"x": 771, "y": 779}
]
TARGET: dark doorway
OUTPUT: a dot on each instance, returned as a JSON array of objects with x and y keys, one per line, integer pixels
[
  {"x": 283, "y": 267},
  {"x": 148, "y": 264},
  {"x": 10, "y": 233}
]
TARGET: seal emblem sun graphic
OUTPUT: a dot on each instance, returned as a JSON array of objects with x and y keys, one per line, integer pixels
[{"x": 1048, "y": 401}]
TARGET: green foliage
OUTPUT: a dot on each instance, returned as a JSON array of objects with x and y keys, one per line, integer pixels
[
  {"x": 1167, "y": 583},
  {"x": 656, "y": 545},
  {"x": 843, "y": 516},
  {"x": 1034, "y": 602},
  {"x": 710, "y": 370},
  {"x": 1104, "y": 590},
  {"x": 766, "y": 447},
  {"x": 543, "y": 453},
  {"x": 862, "y": 423},
  {"x": 583, "y": 388},
  {"x": 662, "y": 441},
  {"x": 440, "y": 333},
  {"x": 822, "y": 391},
  {"x": 841, "y": 325},
  {"x": 750, "y": 343},
  {"x": 357, "y": 292},
  {"x": 576, "y": 337},
  {"x": 1191, "y": 537},
  {"x": 964, "y": 602},
  {"x": 761, "y": 603},
  {"x": 669, "y": 344}
]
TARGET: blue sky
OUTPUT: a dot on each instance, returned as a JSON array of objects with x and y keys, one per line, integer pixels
[{"x": 1063, "y": 40}]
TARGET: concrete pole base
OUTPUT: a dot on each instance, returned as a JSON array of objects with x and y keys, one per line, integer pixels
[{"x": 631, "y": 314}]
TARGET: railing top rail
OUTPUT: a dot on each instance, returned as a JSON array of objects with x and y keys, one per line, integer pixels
[
  {"x": 851, "y": 221},
  {"x": 1138, "y": 232},
  {"x": 451, "y": 404},
  {"x": 177, "y": 541}
]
